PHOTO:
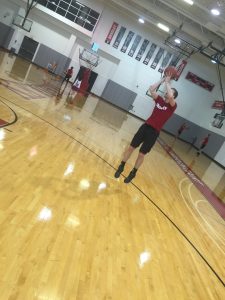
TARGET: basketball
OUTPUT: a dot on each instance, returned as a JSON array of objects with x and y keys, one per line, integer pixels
[{"x": 171, "y": 70}]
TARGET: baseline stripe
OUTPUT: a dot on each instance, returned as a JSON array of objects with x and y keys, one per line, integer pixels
[{"x": 215, "y": 201}]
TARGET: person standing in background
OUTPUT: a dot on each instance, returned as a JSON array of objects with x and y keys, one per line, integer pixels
[{"x": 204, "y": 142}]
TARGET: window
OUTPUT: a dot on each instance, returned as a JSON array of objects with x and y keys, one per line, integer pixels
[
  {"x": 70, "y": 17},
  {"x": 61, "y": 11},
  {"x": 73, "y": 11},
  {"x": 51, "y": 6},
  {"x": 64, "y": 5}
]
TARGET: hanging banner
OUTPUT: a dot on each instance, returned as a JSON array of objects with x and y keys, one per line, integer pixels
[
  {"x": 157, "y": 58},
  {"x": 119, "y": 37},
  {"x": 127, "y": 41},
  {"x": 142, "y": 50},
  {"x": 149, "y": 54},
  {"x": 218, "y": 105},
  {"x": 165, "y": 62},
  {"x": 199, "y": 81},
  {"x": 135, "y": 45},
  {"x": 180, "y": 69},
  {"x": 111, "y": 33},
  {"x": 175, "y": 60}
]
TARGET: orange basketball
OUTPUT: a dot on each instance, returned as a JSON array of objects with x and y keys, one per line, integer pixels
[{"x": 171, "y": 70}]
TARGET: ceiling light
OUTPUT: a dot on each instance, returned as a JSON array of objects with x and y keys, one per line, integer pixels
[
  {"x": 189, "y": 2},
  {"x": 215, "y": 12},
  {"x": 163, "y": 27},
  {"x": 213, "y": 61},
  {"x": 177, "y": 41},
  {"x": 141, "y": 20}
]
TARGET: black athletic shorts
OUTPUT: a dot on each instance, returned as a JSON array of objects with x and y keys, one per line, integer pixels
[{"x": 147, "y": 136}]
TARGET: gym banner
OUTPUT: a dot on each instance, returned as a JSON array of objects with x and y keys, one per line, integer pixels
[
  {"x": 180, "y": 69},
  {"x": 149, "y": 54},
  {"x": 119, "y": 37},
  {"x": 218, "y": 105},
  {"x": 142, "y": 50},
  {"x": 135, "y": 45},
  {"x": 157, "y": 58},
  {"x": 127, "y": 41},
  {"x": 165, "y": 62},
  {"x": 199, "y": 81},
  {"x": 111, "y": 33},
  {"x": 175, "y": 59}
]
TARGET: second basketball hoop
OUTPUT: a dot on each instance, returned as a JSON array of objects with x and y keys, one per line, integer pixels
[{"x": 88, "y": 58}]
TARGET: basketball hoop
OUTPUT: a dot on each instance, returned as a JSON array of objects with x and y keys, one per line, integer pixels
[
  {"x": 88, "y": 58},
  {"x": 23, "y": 23}
]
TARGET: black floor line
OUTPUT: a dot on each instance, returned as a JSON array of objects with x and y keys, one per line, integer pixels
[{"x": 14, "y": 113}]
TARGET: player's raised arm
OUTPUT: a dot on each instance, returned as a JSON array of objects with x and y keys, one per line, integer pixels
[
  {"x": 169, "y": 91},
  {"x": 153, "y": 88}
]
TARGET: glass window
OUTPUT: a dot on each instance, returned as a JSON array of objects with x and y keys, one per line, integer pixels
[
  {"x": 85, "y": 9},
  {"x": 73, "y": 10},
  {"x": 51, "y": 6},
  {"x": 94, "y": 14},
  {"x": 42, "y": 2},
  {"x": 91, "y": 20},
  {"x": 75, "y": 4},
  {"x": 63, "y": 5},
  {"x": 82, "y": 15},
  {"x": 79, "y": 21},
  {"x": 88, "y": 26},
  {"x": 70, "y": 17},
  {"x": 54, "y": 1},
  {"x": 61, "y": 11}
]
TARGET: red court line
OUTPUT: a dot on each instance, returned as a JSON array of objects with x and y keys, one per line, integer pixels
[{"x": 215, "y": 201}]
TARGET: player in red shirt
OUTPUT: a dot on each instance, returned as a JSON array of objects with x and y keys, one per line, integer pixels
[
  {"x": 147, "y": 134},
  {"x": 182, "y": 128},
  {"x": 203, "y": 144},
  {"x": 69, "y": 74}
]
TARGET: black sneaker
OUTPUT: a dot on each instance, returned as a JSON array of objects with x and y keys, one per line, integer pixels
[
  {"x": 130, "y": 176},
  {"x": 119, "y": 171}
]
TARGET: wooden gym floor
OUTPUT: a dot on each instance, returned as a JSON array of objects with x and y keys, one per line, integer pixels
[{"x": 69, "y": 230}]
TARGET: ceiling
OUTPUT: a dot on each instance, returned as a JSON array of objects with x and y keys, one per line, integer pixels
[{"x": 194, "y": 23}]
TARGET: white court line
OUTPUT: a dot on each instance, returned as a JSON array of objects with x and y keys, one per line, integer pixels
[
  {"x": 201, "y": 215},
  {"x": 204, "y": 229}
]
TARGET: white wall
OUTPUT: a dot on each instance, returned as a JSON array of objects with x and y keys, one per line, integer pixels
[{"x": 220, "y": 157}]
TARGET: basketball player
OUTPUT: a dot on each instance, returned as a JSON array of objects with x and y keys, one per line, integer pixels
[
  {"x": 203, "y": 144},
  {"x": 182, "y": 128},
  {"x": 69, "y": 74},
  {"x": 147, "y": 134}
]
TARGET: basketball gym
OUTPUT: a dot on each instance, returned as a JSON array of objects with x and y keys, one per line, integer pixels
[{"x": 75, "y": 87}]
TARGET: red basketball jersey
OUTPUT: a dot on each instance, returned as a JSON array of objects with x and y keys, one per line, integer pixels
[{"x": 161, "y": 113}]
